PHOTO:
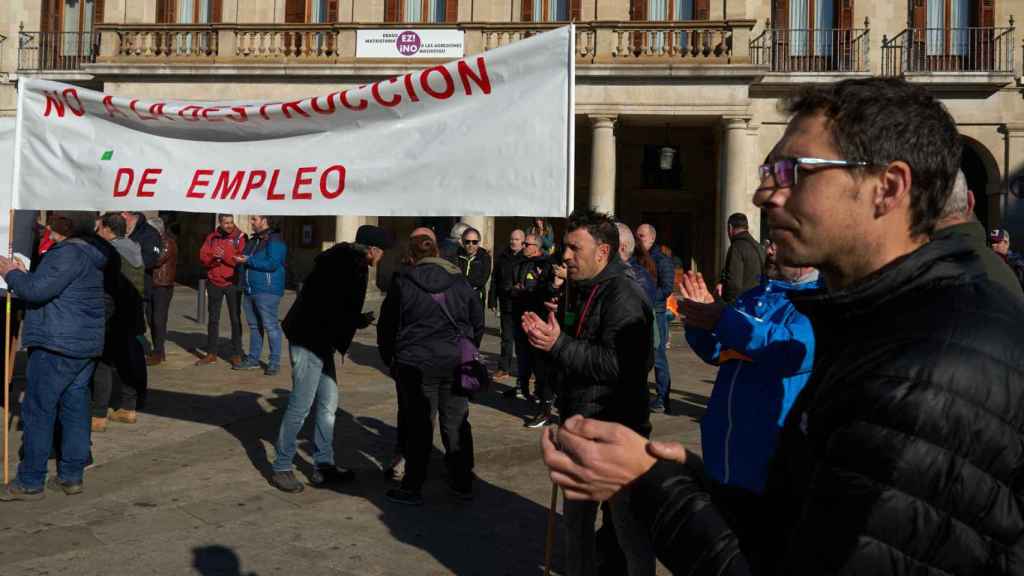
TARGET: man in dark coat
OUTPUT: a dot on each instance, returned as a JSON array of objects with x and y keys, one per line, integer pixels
[
  {"x": 324, "y": 319},
  {"x": 744, "y": 262},
  {"x": 958, "y": 222},
  {"x": 63, "y": 332},
  {"x": 474, "y": 262},
  {"x": 602, "y": 353},
  {"x": 148, "y": 239},
  {"x": 902, "y": 454},
  {"x": 499, "y": 298}
]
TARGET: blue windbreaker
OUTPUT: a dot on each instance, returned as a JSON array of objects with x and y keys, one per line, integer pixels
[{"x": 766, "y": 350}]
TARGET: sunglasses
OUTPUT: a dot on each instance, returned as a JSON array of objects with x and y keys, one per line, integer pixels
[
  {"x": 785, "y": 171},
  {"x": 470, "y": 242}
]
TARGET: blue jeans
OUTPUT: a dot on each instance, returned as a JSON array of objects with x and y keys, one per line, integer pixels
[
  {"x": 260, "y": 315},
  {"x": 58, "y": 389},
  {"x": 313, "y": 378},
  {"x": 662, "y": 376}
]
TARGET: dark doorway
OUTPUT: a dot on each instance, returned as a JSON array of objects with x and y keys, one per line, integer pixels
[{"x": 675, "y": 230}]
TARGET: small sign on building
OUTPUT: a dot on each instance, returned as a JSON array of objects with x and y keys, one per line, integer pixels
[{"x": 424, "y": 43}]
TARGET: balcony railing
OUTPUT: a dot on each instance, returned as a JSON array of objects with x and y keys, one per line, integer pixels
[
  {"x": 929, "y": 50},
  {"x": 813, "y": 50},
  {"x": 596, "y": 42},
  {"x": 56, "y": 51}
]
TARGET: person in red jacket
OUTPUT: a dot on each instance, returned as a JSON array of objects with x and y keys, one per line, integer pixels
[{"x": 218, "y": 257}]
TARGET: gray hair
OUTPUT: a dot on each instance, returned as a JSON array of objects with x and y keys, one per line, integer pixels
[
  {"x": 517, "y": 231},
  {"x": 458, "y": 230},
  {"x": 157, "y": 223},
  {"x": 626, "y": 239},
  {"x": 956, "y": 204}
]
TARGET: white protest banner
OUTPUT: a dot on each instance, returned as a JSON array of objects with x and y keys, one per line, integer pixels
[
  {"x": 6, "y": 183},
  {"x": 415, "y": 43},
  {"x": 491, "y": 134}
]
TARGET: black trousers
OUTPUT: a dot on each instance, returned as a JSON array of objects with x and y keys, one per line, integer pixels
[
  {"x": 120, "y": 379},
  {"x": 509, "y": 323},
  {"x": 162, "y": 296},
  {"x": 532, "y": 362},
  {"x": 426, "y": 396},
  {"x": 233, "y": 295}
]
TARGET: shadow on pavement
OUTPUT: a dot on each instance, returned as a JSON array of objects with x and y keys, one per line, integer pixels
[{"x": 217, "y": 561}]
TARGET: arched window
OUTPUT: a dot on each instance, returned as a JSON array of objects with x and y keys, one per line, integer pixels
[{"x": 426, "y": 11}]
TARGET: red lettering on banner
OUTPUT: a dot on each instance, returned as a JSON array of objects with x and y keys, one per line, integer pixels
[
  {"x": 131, "y": 106},
  {"x": 252, "y": 184},
  {"x": 449, "y": 83},
  {"x": 332, "y": 194},
  {"x": 158, "y": 111},
  {"x": 108, "y": 103},
  {"x": 196, "y": 182},
  {"x": 120, "y": 191},
  {"x": 271, "y": 194},
  {"x": 195, "y": 112},
  {"x": 409, "y": 88},
  {"x": 148, "y": 177},
  {"x": 70, "y": 93},
  {"x": 482, "y": 80},
  {"x": 206, "y": 114},
  {"x": 54, "y": 102},
  {"x": 293, "y": 105},
  {"x": 223, "y": 187},
  {"x": 243, "y": 115},
  {"x": 330, "y": 104},
  {"x": 344, "y": 101},
  {"x": 300, "y": 181},
  {"x": 375, "y": 90},
  {"x": 263, "y": 110}
]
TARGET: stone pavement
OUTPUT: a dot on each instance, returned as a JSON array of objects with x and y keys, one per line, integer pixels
[{"x": 185, "y": 492}]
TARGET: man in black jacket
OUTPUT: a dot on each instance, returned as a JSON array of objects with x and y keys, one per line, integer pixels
[
  {"x": 499, "y": 298},
  {"x": 474, "y": 262},
  {"x": 324, "y": 319},
  {"x": 148, "y": 239},
  {"x": 532, "y": 286},
  {"x": 603, "y": 357},
  {"x": 744, "y": 262},
  {"x": 902, "y": 455}
]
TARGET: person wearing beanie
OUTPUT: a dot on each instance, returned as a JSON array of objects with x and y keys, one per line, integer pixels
[
  {"x": 63, "y": 331},
  {"x": 324, "y": 319}
]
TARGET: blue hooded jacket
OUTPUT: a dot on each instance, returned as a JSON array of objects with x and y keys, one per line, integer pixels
[
  {"x": 264, "y": 271},
  {"x": 766, "y": 350},
  {"x": 64, "y": 300}
]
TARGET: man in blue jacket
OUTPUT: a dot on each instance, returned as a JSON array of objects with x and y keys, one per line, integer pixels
[
  {"x": 666, "y": 278},
  {"x": 766, "y": 350},
  {"x": 63, "y": 332},
  {"x": 263, "y": 278}
]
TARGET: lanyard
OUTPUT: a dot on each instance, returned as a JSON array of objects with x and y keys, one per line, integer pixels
[{"x": 586, "y": 309}]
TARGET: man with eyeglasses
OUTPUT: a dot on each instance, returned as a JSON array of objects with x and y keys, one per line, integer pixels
[
  {"x": 903, "y": 453},
  {"x": 475, "y": 262}
]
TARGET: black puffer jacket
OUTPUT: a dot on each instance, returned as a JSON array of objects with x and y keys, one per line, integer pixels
[
  {"x": 413, "y": 329},
  {"x": 531, "y": 285},
  {"x": 502, "y": 279},
  {"x": 329, "y": 309},
  {"x": 477, "y": 269},
  {"x": 602, "y": 365},
  {"x": 904, "y": 454}
]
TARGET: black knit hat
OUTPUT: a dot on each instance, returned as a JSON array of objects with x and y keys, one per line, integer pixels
[{"x": 368, "y": 235}]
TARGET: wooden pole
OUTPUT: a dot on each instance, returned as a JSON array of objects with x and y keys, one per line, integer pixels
[
  {"x": 7, "y": 354},
  {"x": 549, "y": 544}
]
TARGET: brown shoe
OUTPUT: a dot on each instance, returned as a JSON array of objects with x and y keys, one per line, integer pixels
[
  {"x": 123, "y": 416},
  {"x": 208, "y": 359},
  {"x": 235, "y": 360},
  {"x": 99, "y": 424},
  {"x": 154, "y": 359}
]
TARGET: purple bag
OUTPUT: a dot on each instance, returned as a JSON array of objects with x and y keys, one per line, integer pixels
[{"x": 471, "y": 372}]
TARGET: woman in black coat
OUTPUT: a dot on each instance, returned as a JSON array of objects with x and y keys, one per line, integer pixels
[{"x": 417, "y": 340}]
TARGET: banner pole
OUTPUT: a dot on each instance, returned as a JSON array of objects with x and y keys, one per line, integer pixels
[
  {"x": 549, "y": 542},
  {"x": 8, "y": 368}
]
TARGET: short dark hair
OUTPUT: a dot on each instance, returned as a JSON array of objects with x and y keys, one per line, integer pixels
[
  {"x": 598, "y": 224},
  {"x": 115, "y": 222},
  {"x": 422, "y": 246},
  {"x": 739, "y": 221},
  {"x": 881, "y": 120},
  {"x": 473, "y": 230}
]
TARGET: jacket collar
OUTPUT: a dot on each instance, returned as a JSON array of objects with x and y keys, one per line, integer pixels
[
  {"x": 615, "y": 267},
  {"x": 949, "y": 261},
  {"x": 448, "y": 266}
]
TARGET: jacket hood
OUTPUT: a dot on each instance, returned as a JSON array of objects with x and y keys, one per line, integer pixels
[
  {"x": 948, "y": 262},
  {"x": 129, "y": 250},
  {"x": 434, "y": 275},
  {"x": 85, "y": 245}
]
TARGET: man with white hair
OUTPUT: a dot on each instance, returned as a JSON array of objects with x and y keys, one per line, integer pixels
[
  {"x": 449, "y": 247},
  {"x": 958, "y": 221}
]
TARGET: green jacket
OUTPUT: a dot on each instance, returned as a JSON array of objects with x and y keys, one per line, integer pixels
[{"x": 995, "y": 268}]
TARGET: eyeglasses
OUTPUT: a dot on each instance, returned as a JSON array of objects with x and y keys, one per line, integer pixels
[
  {"x": 785, "y": 170},
  {"x": 470, "y": 242},
  {"x": 530, "y": 244}
]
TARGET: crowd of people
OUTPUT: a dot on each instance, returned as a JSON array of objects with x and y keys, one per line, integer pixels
[{"x": 866, "y": 416}]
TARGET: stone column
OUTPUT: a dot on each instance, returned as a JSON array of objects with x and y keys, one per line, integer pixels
[
  {"x": 602, "y": 164},
  {"x": 736, "y": 193}
]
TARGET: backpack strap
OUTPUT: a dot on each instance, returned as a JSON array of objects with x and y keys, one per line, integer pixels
[{"x": 440, "y": 299}]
